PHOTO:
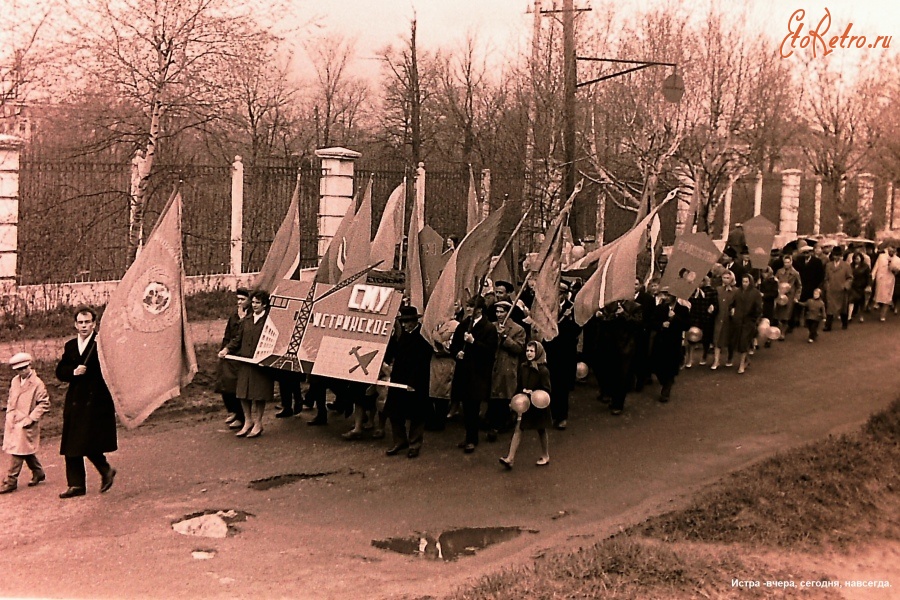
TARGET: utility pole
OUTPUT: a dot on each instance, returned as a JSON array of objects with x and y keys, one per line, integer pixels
[{"x": 570, "y": 83}]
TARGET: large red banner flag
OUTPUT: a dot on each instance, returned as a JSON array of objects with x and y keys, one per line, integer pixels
[
  {"x": 144, "y": 344},
  {"x": 462, "y": 275},
  {"x": 283, "y": 258},
  {"x": 616, "y": 270},
  {"x": 415, "y": 280},
  {"x": 358, "y": 241},
  {"x": 545, "y": 308},
  {"x": 390, "y": 229}
]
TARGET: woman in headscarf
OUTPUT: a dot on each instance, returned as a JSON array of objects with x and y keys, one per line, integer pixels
[
  {"x": 703, "y": 316},
  {"x": 533, "y": 376},
  {"x": 745, "y": 311},
  {"x": 884, "y": 280},
  {"x": 722, "y": 333}
]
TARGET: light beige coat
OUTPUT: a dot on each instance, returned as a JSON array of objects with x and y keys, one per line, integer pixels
[{"x": 28, "y": 401}]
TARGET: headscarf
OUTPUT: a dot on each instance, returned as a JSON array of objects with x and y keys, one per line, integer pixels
[{"x": 540, "y": 356}]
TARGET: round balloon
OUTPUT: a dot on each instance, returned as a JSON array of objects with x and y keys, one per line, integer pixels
[
  {"x": 782, "y": 300},
  {"x": 694, "y": 335},
  {"x": 577, "y": 253},
  {"x": 774, "y": 333},
  {"x": 764, "y": 323},
  {"x": 540, "y": 399},
  {"x": 581, "y": 371},
  {"x": 519, "y": 403},
  {"x": 784, "y": 288}
]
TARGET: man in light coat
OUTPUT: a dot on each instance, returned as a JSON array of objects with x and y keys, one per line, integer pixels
[{"x": 28, "y": 401}]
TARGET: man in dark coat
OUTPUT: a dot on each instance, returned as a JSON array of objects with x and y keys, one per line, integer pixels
[
  {"x": 562, "y": 358},
  {"x": 227, "y": 370},
  {"x": 647, "y": 301},
  {"x": 474, "y": 345},
  {"x": 617, "y": 329},
  {"x": 89, "y": 415},
  {"x": 670, "y": 320},
  {"x": 410, "y": 357}
]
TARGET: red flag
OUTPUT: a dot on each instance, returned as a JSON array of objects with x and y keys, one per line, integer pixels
[
  {"x": 358, "y": 242},
  {"x": 332, "y": 265},
  {"x": 462, "y": 275},
  {"x": 473, "y": 215},
  {"x": 431, "y": 245},
  {"x": 144, "y": 344},
  {"x": 616, "y": 271},
  {"x": 390, "y": 229},
  {"x": 545, "y": 307},
  {"x": 284, "y": 253},
  {"x": 415, "y": 280}
]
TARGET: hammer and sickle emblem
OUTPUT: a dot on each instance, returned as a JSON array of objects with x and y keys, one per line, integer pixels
[{"x": 364, "y": 360}]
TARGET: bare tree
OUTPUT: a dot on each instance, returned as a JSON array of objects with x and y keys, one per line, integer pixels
[
  {"x": 841, "y": 133},
  {"x": 168, "y": 58}
]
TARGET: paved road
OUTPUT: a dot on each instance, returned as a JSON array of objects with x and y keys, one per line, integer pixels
[{"x": 312, "y": 538}]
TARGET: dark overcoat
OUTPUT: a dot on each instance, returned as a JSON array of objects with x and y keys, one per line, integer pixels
[
  {"x": 506, "y": 365},
  {"x": 410, "y": 357},
  {"x": 531, "y": 378},
  {"x": 253, "y": 383},
  {"x": 89, "y": 415},
  {"x": 227, "y": 370},
  {"x": 746, "y": 310},
  {"x": 472, "y": 376},
  {"x": 670, "y": 321}
]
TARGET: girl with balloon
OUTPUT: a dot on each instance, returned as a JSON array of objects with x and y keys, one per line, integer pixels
[{"x": 532, "y": 403}]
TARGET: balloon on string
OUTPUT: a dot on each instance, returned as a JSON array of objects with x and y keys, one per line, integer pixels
[
  {"x": 782, "y": 300},
  {"x": 577, "y": 253},
  {"x": 581, "y": 371},
  {"x": 694, "y": 335},
  {"x": 784, "y": 288},
  {"x": 764, "y": 325},
  {"x": 519, "y": 404},
  {"x": 540, "y": 399},
  {"x": 774, "y": 333}
]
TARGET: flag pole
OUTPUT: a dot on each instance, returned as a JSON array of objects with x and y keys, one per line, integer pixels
[{"x": 509, "y": 241}]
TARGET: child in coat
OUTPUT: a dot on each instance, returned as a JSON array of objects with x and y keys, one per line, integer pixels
[
  {"x": 533, "y": 375},
  {"x": 27, "y": 403},
  {"x": 815, "y": 314}
]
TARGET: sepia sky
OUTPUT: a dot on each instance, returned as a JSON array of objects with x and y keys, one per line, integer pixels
[{"x": 507, "y": 26}]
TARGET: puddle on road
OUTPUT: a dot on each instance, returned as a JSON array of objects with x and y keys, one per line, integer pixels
[
  {"x": 452, "y": 544},
  {"x": 287, "y": 478}
]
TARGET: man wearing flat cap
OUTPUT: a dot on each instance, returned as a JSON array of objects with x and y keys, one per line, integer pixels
[
  {"x": 410, "y": 355},
  {"x": 28, "y": 402}
]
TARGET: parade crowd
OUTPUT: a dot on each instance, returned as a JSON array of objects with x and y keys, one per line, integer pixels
[{"x": 486, "y": 365}]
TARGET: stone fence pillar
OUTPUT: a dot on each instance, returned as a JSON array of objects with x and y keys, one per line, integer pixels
[
  {"x": 790, "y": 202},
  {"x": 237, "y": 216},
  {"x": 485, "y": 193},
  {"x": 420, "y": 194},
  {"x": 335, "y": 191},
  {"x": 757, "y": 195},
  {"x": 10, "y": 148}
]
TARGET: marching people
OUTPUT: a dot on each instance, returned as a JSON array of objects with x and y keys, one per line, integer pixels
[
  {"x": 255, "y": 387},
  {"x": 885, "y": 281},
  {"x": 703, "y": 316},
  {"x": 838, "y": 280},
  {"x": 725, "y": 294},
  {"x": 474, "y": 345},
  {"x": 441, "y": 369},
  {"x": 562, "y": 358},
  {"x": 862, "y": 281},
  {"x": 815, "y": 314},
  {"x": 745, "y": 310},
  {"x": 789, "y": 286},
  {"x": 611, "y": 344},
  {"x": 506, "y": 366},
  {"x": 409, "y": 355},
  {"x": 647, "y": 300},
  {"x": 89, "y": 415},
  {"x": 28, "y": 401},
  {"x": 671, "y": 319},
  {"x": 227, "y": 370},
  {"x": 533, "y": 375},
  {"x": 768, "y": 287}
]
